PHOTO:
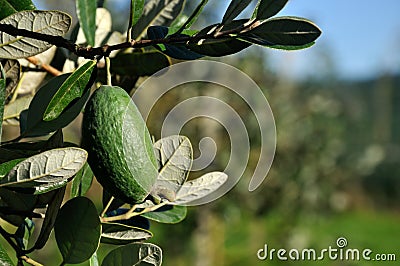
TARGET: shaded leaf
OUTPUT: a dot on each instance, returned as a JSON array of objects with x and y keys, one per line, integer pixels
[
  {"x": 82, "y": 181},
  {"x": 2, "y": 96},
  {"x": 47, "y": 167},
  {"x": 139, "y": 63},
  {"x": 35, "y": 125},
  {"x": 13, "y": 109},
  {"x": 55, "y": 23},
  {"x": 73, "y": 87},
  {"x": 283, "y": 31},
  {"x": 199, "y": 188},
  {"x": 6, "y": 167},
  {"x": 134, "y": 254},
  {"x": 50, "y": 218},
  {"x": 12, "y": 71},
  {"x": 157, "y": 13},
  {"x": 174, "y": 156},
  {"x": 269, "y": 8},
  {"x": 119, "y": 234},
  {"x": 87, "y": 18},
  {"x": 234, "y": 9},
  {"x": 15, "y": 206},
  {"x": 77, "y": 230},
  {"x": 4, "y": 258},
  {"x": 167, "y": 214},
  {"x": 24, "y": 233}
]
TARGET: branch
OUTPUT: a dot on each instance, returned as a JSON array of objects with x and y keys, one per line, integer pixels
[
  {"x": 105, "y": 50},
  {"x": 48, "y": 68}
]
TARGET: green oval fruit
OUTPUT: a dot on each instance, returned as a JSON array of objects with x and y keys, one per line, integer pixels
[{"x": 120, "y": 149}]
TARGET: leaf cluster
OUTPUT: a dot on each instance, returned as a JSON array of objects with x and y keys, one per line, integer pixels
[{"x": 34, "y": 173}]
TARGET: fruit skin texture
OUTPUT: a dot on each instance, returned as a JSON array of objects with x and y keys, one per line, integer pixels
[{"x": 120, "y": 149}]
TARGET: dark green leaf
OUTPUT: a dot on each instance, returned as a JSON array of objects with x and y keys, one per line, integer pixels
[
  {"x": 2, "y": 95},
  {"x": 193, "y": 18},
  {"x": 13, "y": 109},
  {"x": 6, "y": 167},
  {"x": 120, "y": 234},
  {"x": 137, "y": 7},
  {"x": 167, "y": 214},
  {"x": 134, "y": 254},
  {"x": 269, "y": 8},
  {"x": 139, "y": 63},
  {"x": 77, "y": 230},
  {"x": 72, "y": 88},
  {"x": 24, "y": 233},
  {"x": 234, "y": 9},
  {"x": 4, "y": 258},
  {"x": 9, "y": 7},
  {"x": 53, "y": 166},
  {"x": 283, "y": 31},
  {"x": 157, "y": 13},
  {"x": 54, "y": 23},
  {"x": 15, "y": 206},
  {"x": 82, "y": 181},
  {"x": 85, "y": 10},
  {"x": 50, "y": 218},
  {"x": 35, "y": 125}
]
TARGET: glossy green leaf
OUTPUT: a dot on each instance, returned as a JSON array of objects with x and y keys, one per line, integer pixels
[
  {"x": 2, "y": 96},
  {"x": 120, "y": 234},
  {"x": 174, "y": 157},
  {"x": 51, "y": 166},
  {"x": 12, "y": 70},
  {"x": 94, "y": 261},
  {"x": 157, "y": 13},
  {"x": 50, "y": 217},
  {"x": 6, "y": 167},
  {"x": 199, "y": 188},
  {"x": 4, "y": 258},
  {"x": 269, "y": 8},
  {"x": 55, "y": 23},
  {"x": 139, "y": 63},
  {"x": 167, "y": 214},
  {"x": 134, "y": 254},
  {"x": 87, "y": 18},
  {"x": 283, "y": 31},
  {"x": 137, "y": 7},
  {"x": 34, "y": 125},
  {"x": 24, "y": 233},
  {"x": 82, "y": 181},
  {"x": 72, "y": 88},
  {"x": 234, "y": 9},
  {"x": 77, "y": 230},
  {"x": 9, "y": 7}
]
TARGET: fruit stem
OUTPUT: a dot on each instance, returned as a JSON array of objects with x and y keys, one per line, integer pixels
[
  {"x": 108, "y": 66},
  {"x": 107, "y": 206}
]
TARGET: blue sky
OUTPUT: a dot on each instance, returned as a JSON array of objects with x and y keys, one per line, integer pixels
[{"x": 362, "y": 37}]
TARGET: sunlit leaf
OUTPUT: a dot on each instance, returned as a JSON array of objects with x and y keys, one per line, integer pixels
[
  {"x": 9, "y": 7},
  {"x": 157, "y": 13},
  {"x": 73, "y": 87},
  {"x": 283, "y": 31},
  {"x": 6, "y": 167},
  {"x": 134, "y": 254},
  {"x": 2, "y": 95},
  {"x": 12, "y": 71},
  {"x": 4, "y": 258},
  {"x": 87, "y": 18},
  {"x": 269, "y": 8},
  {"x": 82, "y": 181},
  {"x": 47, "y": 167},
  {"x": 199, "y": 188},
  {"x": 137, "y": 7},
  {"x": 234, "y": 9},
  {"x": 55, "y": 23},
  {"x": 77, "y": 230},
  {"x": 24, "y": 233},
  {"x": 119, "y": 234},
  {"x": 193, "y": 17}
]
